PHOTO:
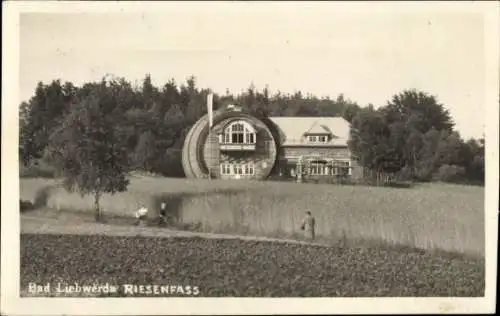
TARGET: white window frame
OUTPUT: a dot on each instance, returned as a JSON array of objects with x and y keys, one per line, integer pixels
[
  {"x": 249, "y": 169},
  {"x": 250, "y": 138},
  {"x": 340, "y": 164},
  {"x": 237, "y": 169},
  {"x": 225, "y": 169},
  {"x": 237, "y": 131},
  {"x": 242, "y": 169},
  {"x": 322, "y": 139},
  {"x": 318, "y": 169},
  {"x": 238, "y": 128}
]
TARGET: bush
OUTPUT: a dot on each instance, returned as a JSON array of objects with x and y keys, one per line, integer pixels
[
  {"x": 25, "y": 206},
  {"x": 450, "y": 173},
  {"x": 42, "y": 196},
  {"x": 373, "y": 183},
  {"x": 405, "y": 174},
  {"x": 36, "y": 171},
  {"x": 399, "y": 184}
]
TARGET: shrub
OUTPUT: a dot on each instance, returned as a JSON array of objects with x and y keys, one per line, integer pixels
[
  {"x": 36, "y": 171},
  {"x": 25, "y": 205},
  {"x": 450, "y": 173},
  {"x": 42, "y": 196},
  {"x": 405, "y": 174},
  {"x": 399, "y": 184}
]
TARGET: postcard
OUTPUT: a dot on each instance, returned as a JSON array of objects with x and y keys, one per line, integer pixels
[{"x": 249, "y": 157}]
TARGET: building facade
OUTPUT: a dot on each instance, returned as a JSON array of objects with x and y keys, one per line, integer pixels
[
  {"x": 241, "y": 146},
  {"x": 315, "y": 148}
]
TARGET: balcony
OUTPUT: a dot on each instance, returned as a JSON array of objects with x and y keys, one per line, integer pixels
[{"x": 237, "y": 147}]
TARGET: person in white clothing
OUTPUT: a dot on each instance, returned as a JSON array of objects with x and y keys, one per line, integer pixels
[{"x": 141, "y": 215}]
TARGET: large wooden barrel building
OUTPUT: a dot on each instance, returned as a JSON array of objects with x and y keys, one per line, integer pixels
[
  {"x": 238, "y": 146},
  {"x": 242, "y": 146}
]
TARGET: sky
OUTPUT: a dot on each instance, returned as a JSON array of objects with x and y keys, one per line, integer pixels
[{"x": 320, "y": 48}]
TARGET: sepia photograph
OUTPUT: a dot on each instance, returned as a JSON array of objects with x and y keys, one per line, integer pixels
[{"x": 249, "y": 157}]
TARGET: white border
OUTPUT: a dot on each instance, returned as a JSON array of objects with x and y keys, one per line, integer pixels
[{"x": 12, "y": 304}]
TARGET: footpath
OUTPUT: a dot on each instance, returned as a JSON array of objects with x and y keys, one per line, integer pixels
[{"x": 32, "y": 224}]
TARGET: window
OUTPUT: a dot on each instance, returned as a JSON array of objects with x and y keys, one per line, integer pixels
[
  {"x": 249, "y": 169},
  {"x": 313, "y": 170},
  {"x": 225, "y": 169},
  {"x": 325, "y": 170},
  {"x": 317, "y": 138},
  {"x": 249, "y": 138},
  {"x": 237, "y": 169},
  {"x": 318, "y": 169},
  {"x": 238, "y": 133},
  {"x": 341, "y": 167}
]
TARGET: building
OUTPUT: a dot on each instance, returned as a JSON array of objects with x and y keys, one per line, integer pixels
[
  {"x": 241, "y": 146},
  {"x": 315, "y": 147}
]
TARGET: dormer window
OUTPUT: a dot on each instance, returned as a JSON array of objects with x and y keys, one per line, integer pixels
[{"x": 321, "y": 139}]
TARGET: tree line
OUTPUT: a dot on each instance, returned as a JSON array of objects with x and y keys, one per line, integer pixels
[
  {"x": 113, "y": 126},
  {"x": 413, "y": 137}
]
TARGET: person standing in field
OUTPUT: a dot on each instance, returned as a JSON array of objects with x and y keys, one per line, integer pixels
[
  {"x": 308, "y": 226},
  {"x": 163, "y": 213}
]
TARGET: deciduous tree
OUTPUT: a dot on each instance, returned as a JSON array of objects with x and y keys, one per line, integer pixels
[{"x": 90, "y": 155}]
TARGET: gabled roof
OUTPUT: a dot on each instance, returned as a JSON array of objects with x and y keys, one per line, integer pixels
[
  {"x": 317, "y": 128},
  {"x": 292, "y": 129}
]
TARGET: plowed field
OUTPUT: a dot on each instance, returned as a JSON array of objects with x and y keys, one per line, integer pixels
[{"x": 233, "y": 267}]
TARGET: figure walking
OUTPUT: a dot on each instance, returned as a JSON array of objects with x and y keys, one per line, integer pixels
[
  {"x": 308, "y": 226},
  {"x": 163, "y": 213}
]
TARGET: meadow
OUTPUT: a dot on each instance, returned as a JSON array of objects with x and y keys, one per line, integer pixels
[{"x": 428, "y": 216}]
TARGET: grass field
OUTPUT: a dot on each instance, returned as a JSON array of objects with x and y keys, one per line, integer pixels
[{"x": 448, "y": 217}]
